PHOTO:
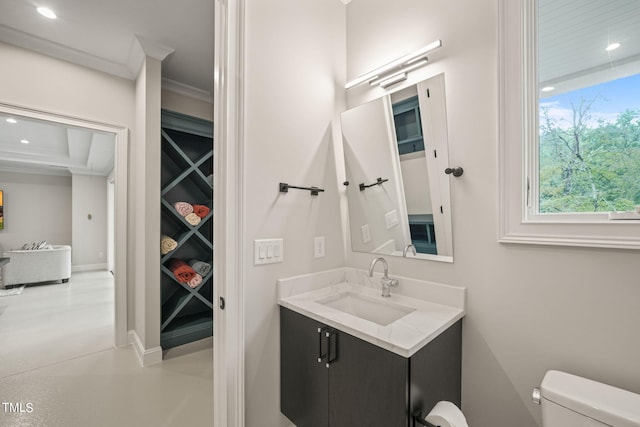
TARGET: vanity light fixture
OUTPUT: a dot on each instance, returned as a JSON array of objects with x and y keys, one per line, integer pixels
[
  {"x": 389, "y": 77},
  {"x": 612, "y": 46},
  {"x": 46, "y": 12},
  {"x": 389, "y": 81},
  {"x": 389, "y": 72}
]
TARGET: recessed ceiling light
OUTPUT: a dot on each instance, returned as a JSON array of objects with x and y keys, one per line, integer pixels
[
  {"x": 612, "y": 46},
  {"x": 46, "y": 12},
  {"x": 10, "y": 120},
  {"x": 548, "y": 88},
  {"x": 24, "y": 141}
]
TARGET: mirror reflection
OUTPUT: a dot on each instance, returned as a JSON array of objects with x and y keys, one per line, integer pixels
[{"x": 395, "y": 150}]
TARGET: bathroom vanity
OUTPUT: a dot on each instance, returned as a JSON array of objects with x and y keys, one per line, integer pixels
[{"x": 352, "y": 358}]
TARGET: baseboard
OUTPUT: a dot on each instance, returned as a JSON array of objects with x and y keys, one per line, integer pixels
[
  {"x": 203, "y": 344},
  {"x": 88, "y": 267},
  {"x": 145, "y": 357}
]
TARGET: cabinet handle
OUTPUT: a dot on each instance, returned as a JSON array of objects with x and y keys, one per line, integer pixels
[
  {"x": 321, "y": 355},
  {"x": 332, "y": 346}
]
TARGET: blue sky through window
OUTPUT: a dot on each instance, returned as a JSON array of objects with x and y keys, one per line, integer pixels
[{"x": 611, "y": 98}]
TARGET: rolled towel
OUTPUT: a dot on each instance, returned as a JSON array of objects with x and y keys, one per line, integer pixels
[
  {"x": 201, "y": 210},
  {"x": 167, "y": 244},
  {"x": 183, "y": 208},
  {"x": 195, "y": 281},
  {"x": 193, "y": 219},
  {"x": 201, "y": 267},
  {"x": 181, "y": 270}
]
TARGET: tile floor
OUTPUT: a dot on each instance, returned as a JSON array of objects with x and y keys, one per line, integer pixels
[
  {"x": 60, "y": 369},
  {"x": 52, "y": 322}
]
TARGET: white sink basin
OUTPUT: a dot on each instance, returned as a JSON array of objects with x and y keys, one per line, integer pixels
[{"x": 371, "y": 309}]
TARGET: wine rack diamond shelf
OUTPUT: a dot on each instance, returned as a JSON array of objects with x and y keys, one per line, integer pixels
[{"x": 186, "y": 176}]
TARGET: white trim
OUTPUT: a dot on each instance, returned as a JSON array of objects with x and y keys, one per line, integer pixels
[
  {"x": 142, "y": 47},
  {"x": 516, "y": 53},
  {"x": 228, "y": 366},
  {"x": 89, "y": 267},
  {"x": 121, "y": 202},
  {"x": 49, "y": 48},
  {"x": 186, "y": 90},
  {"x": 129, "y": 70},
  {"x": 145, "y": 357}
]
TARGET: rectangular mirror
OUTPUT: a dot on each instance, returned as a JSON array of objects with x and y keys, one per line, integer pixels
[{"x": 396, "y": 151}]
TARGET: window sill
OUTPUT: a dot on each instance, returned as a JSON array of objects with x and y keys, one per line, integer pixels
[{"x": 613, "y": 235}]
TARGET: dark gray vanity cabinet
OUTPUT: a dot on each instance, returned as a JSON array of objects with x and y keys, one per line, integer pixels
[
  {"x": 362, "y": 384},
  {"x": 329, "y": 378}
]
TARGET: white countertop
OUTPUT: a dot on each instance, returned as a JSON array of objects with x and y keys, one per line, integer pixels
[{"x": 404, "y": 336}]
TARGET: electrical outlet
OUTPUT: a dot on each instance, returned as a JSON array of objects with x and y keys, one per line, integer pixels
[
  {"x": 366, "y": 233},
  {"x": 318, "y": 246}
]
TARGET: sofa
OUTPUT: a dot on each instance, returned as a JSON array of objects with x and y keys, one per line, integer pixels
[{"x": 34, "y": 266}]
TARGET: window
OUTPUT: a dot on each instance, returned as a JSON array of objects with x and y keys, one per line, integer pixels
[
  {"x": 569, "y": 152},
  {"x": 406, "y": 117}
]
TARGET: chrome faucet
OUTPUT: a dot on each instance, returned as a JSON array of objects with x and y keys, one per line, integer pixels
[
  {"x": 406, "y": 249},
  {"x": 386, "y": 282}
]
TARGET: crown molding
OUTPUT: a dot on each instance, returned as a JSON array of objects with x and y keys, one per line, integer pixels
[
  {"x": 186, "y": 90},
  {"x": 142, "y": 47},
  {"x": 46, "y": 47}
]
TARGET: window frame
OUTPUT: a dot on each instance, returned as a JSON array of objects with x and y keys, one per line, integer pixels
[{"x": 519, "y": 220}]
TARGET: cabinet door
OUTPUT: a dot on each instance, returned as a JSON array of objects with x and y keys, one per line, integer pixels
[
  {"x": 368, "y": 385},
  {"x": 436, "y": 371},
  {"x": 303, "y": 380}
]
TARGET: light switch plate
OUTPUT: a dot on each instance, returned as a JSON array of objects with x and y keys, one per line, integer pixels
[
  {"x": 268, "y": 251},
  {"x": 318, "y": 246},
  {"x": 391, "y": 219}
]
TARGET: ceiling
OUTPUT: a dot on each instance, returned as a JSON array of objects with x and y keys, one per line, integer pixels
[
  {"x": 573, "y": 35},
  {"x": 101, "y": 34},
  {"x": 36, "y": 146}
]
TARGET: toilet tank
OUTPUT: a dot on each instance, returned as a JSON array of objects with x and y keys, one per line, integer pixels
[{"x": 571, "y": 401}]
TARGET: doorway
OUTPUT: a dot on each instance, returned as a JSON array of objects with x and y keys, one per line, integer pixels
[{"x": 116, "y": 253}]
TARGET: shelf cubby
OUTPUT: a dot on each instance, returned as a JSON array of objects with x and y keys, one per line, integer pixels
[{"x": 187, "y": 164}]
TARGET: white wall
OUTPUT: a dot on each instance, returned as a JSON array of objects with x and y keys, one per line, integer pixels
[
  {"x": 146, "y": 173},
  {"x": 36, "y": 207},
  {"x": 294, "y": 63},
  {"x": 187, "y": 105},
  {"x": 530, "y": 308},
  {"x": 416, "y": 183},
  {"x": 89, "y": 242},
  {"x": 370, "y": 152}
]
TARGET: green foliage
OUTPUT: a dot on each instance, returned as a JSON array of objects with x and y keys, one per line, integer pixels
[{"x": 586, "y": 167}]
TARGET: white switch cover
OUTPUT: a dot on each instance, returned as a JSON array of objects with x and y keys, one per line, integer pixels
[
  {"x": 318, "y": 246},
  {"x": 391, "y": 219},
  {"x": 366, "y": 234},
  {"x": 268, "y": 251}
]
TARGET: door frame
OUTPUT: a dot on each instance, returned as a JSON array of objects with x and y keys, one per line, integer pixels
[
  {"x": 121, "y": 201},
  {"x": 228, "y": 366}
]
